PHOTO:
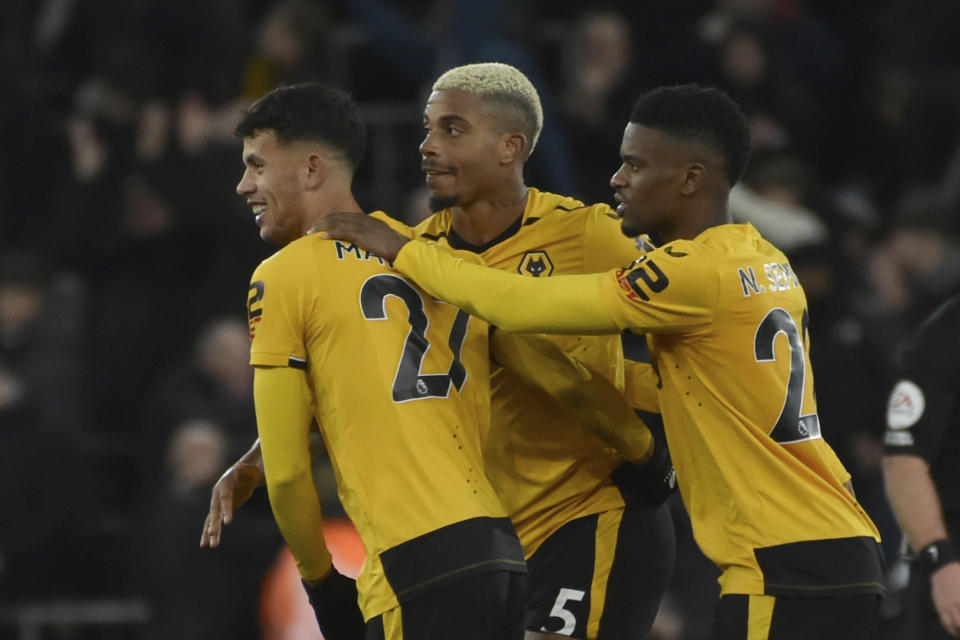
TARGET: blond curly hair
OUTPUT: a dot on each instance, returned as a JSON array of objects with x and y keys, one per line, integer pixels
[{"x": 501, "y": 83}]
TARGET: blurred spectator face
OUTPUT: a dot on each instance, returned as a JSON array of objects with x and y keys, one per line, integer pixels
[
  {"x": 744, "y": 59},
  {"x": 462, "y": 148},
  {"x": 922, "y": 252},
  {"x": 196, "y": 454},
  {"x": 223, "y": 354},
  {"x": 271, "y": 185},
  {"x": 780, "y": 178},
  {"x": 19, "y": 305},
  {"x": 604, "y": 50},
  {"x": 279, "y": 37}
]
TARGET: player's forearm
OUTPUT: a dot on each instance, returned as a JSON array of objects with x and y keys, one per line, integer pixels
[
  {"x": 561, "y": 304},
  {"x": 591, "y": 399},
  {"x": 284, "y": 421},
  {"x": 252, "y": 457},
  {"x": 914, "y": 499}
]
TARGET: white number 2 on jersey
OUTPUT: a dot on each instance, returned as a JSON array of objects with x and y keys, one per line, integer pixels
[{"x": 791, "y": 426}]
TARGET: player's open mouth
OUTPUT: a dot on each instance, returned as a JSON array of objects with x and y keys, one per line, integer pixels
[
  {"x": 432, "y": 176},
  {"x": 621, "y": 204}
]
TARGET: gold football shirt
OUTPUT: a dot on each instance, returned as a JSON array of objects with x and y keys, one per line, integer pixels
[
  {"x": 727, "y": 327},
  {"x": 399, "y": 386},
  {"x": 546, "y": 469}
]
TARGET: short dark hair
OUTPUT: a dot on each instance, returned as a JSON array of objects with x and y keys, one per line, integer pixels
[
  {"x": 309, "y": 111},
  {"x": 705, "y": 114}
]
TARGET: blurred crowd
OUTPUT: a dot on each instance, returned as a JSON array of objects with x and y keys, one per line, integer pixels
[{"x": 125, "y": 253}]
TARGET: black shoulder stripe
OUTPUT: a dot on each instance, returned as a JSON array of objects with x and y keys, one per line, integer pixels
[
  {"x": 569, "y": 209},
  {"x": 297, "y": 363},
  {"x": 432, "y": 236},
  {"x": 529, "y": 221}
]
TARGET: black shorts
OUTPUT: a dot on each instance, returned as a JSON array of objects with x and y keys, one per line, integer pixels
[
  {"x": 602, "y": 576},
  {"x": 762, "y": 617},
  {"x": 483, "y": 606}
]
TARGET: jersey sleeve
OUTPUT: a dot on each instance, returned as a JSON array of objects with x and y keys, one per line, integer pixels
[
  {"x": 561, "y": 304},
  {"x": 922, "y": 401},
  {"x": 672, "y": 288},
  {"x": 275, "y": 314},
  {"x": 284, "y": 420},
  {"x": 605, "y": 247}
]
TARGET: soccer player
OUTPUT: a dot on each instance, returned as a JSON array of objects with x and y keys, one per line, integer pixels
[
  {"x": 398, "y": 384},
  {"x": 598, "y": 567},
  {"x": 922, "y": 469},
  {"x": 727, "y": 329},
  {"x": 598, "y": 564}
]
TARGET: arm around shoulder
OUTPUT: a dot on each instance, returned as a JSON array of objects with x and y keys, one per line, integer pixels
[{"x": 559, "y": 304}]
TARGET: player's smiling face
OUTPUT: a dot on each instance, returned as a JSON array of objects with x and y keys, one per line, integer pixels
[
  {"x": 272, "y": 186},
  {"x": 647, "y": 184},
  {"x": 460, "y": 148}
]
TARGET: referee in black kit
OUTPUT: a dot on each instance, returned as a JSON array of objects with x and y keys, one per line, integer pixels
[{"x": 922, "y": 469}]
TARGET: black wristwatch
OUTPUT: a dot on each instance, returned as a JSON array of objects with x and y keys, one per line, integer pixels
[{"x": 936, "y": 554}]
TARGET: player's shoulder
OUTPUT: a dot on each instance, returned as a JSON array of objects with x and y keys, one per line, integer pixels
[
  {"x": 741, "y": 243},
  {"x": 435, "y": 226},
  {"x": 543, "y": 204},
  {"x": 397, "y": 225},
  {"x": 289, "y": 261},
  {"x": 690, "y": 254},
  {"x": 938, "y": 335}
]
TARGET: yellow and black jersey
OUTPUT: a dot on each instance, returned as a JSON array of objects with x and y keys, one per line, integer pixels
[
  {"x": 400, "y": 391},
  {"x": 727, "y": 328},
  {"x": 546, "y": 469}
]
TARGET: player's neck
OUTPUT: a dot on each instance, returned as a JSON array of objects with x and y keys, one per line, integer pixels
[
  {"x": 699, "y": 221},
  {"x": 483, "y": 220},
  {"x": 338, "y": 202}
]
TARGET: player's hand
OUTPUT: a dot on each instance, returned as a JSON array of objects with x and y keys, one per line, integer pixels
[
  {"x": 233, "y": 488},
  {"x": 360, "y": 229},
  {"x": 945, "y": 590},
  {"x": 650, "y": 482},
  {"x": 334, "y": 602}
]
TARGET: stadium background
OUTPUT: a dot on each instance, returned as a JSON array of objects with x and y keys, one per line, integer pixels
[{"x": 125, "y": 254}]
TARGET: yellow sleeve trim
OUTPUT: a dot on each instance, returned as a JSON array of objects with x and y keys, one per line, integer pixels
[{"x": 262, "y": 359}]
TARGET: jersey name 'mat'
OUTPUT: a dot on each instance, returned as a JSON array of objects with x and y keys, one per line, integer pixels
[
  {"x": 344, "y": 250},
  {"x": 780, "y": 277}
]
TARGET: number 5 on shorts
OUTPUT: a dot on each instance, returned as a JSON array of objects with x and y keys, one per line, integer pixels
[{"x": 558, "y": 611}]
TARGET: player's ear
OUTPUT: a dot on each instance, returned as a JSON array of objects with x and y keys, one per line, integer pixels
[
  {"x": 693, "y": 177},
  {"x": 315, "y": 170},
  {"x": 513, "y": 147}
]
